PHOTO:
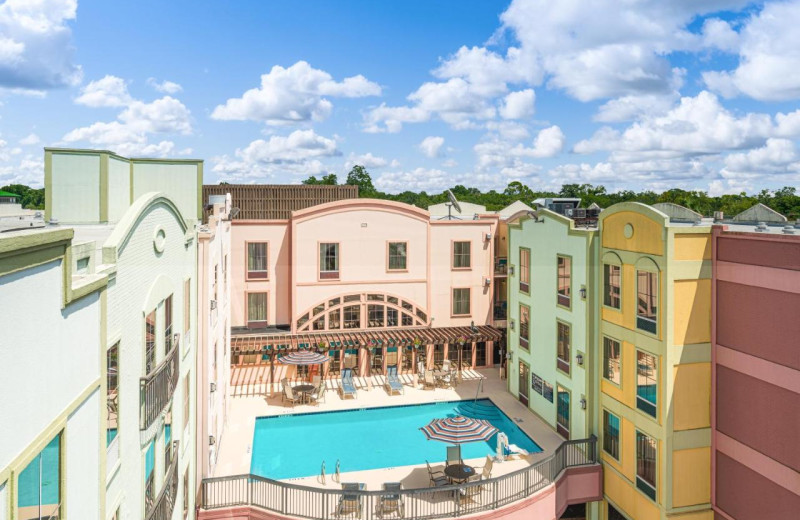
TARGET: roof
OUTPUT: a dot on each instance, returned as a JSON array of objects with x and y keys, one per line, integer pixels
[
  {"x": 678, "y": 212},
  {"x": 8, "y": 194},
  {"x": 759, "y": 213},
  {"x": 468, "y": 209},
  {"x": 276, "y": 201},
  {"x": 514, "y": 207}
]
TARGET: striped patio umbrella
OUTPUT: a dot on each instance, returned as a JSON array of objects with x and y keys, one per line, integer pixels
[
  {"x": 459, "y": 430},
  {"x": 304, "y": 357}
]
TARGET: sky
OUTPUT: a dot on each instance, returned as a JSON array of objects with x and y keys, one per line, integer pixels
[{"x": 631, "y": 94}]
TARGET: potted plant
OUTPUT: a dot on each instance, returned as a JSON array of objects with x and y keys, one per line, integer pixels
[{"x": 322, "y": 346}]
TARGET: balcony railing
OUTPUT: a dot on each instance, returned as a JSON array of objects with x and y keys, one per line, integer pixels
[
  {"x": 417, "y": 504},
  {"x": 501, "y": 266},
  {"x": 163, "y": 505},
  {"x": 157, "y": 387},
  {"x": 500, "y": 311}
]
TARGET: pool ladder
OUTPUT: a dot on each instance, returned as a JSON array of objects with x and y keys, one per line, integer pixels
[
  {"x": 337, "y": 477},
  {"x": 322, "y": 473}
]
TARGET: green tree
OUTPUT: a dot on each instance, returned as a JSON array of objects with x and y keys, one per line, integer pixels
[
  {"x": 359, "y": 176},
  {"x": 326, "y": 180},
  {"x": 29, "y": 198}
]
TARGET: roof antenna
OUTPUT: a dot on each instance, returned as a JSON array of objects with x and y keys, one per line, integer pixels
[{"x": 452, "y": 204}]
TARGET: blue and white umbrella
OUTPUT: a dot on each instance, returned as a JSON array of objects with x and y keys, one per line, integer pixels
[{"x": 304, "y": 357}]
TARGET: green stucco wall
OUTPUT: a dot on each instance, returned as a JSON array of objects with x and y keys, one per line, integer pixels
[{"x": 76, "y": 181}]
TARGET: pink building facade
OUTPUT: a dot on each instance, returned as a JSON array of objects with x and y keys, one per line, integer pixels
[{"x": 755, "y": 373}]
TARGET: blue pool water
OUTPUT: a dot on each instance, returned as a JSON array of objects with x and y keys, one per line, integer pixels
[{"x": 293, "y": 446}]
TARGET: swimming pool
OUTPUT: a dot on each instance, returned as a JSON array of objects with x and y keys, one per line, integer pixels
[{"x": 292, "y": 446}]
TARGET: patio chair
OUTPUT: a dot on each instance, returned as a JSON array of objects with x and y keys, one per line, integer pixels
[
  {"x": 392, "y": 503},
  {"x": 318, "y": 394},
  {"x": 350, "y": 503},
  {"x": 486, "y": 472},
  {"x": 437, "y": 478},
  {"x": 428, "y": 381},
  {"x": 393, "y": 383},
  {"x": 346, "y": 385},
  {"x": 315, "y": 380},
  {"x": 288, "y": 395},
  {"x": 446, "y": 365},
  {"x": 454, "y": 455}
]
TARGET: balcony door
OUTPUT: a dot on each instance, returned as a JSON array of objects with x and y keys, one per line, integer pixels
[{"x": 524, "y": 382}]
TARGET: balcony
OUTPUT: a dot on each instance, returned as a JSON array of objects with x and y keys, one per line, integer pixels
[
  {"x": 157, "y": 387},
  {"x": 501, "y": 266},
  {"x": 501, "y": 310},
  {"x": 162, "y": 506}
]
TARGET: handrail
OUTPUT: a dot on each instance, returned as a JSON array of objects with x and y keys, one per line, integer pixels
[
  {"x": 422, "y": 503},
  {"x": 164, "y": 503},
  {"x": 157, "y": 387}
]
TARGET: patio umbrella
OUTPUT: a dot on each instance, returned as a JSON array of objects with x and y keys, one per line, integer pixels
[
  {"x": 459, "y": 430},
  {"x": 304, "y": 357}
]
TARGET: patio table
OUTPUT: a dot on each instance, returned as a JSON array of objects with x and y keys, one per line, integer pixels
[
  {"x": 304, "y": 389},
  {"x": 459, "y": 472}
]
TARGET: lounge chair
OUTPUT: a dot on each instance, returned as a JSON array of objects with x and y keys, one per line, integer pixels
[
  {"x": 288, "y": 395},
  {"x": 350, "y": 503},
  {"x": 392, "y": 503},
  {"x": 393, "y": 383},
  {"x": 437, "y": 478},
  {"x": 346, "y": 385},
  {"x": 454, "y": 455},
  {"x": 428, "y": 380}
]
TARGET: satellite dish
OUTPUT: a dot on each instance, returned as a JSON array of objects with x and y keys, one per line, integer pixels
[{"x": 453, "y": 203}]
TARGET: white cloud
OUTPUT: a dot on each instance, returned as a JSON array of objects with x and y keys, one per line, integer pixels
[
  {"x": 109, "y": 91},
  {"x": 30, "y": 140},
  {"x": 518, "y": 105},
  {"x": 776, "y": 157},
  {"x": 166, "y": 87},
  {"x": 391, "y": 119},
  {"x": 431, "y": 146},
  {"x": 720, "y": 34},
  {"x": 366, "y": 160},
  {"x": 293, "y": 95},
  {"x": 769, "y": 56},
  {"x": 430, "y": 179},
  {"x": 627, "y": 108},
  {"x": 496, "y": 154},
  {"x": 29, "y": 170},
  {"x": 36, "y": 44}
]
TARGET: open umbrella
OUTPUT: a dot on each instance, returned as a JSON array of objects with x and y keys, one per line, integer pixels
[
  {"x": 304, "y": 357},
  {"x": 459, "y": 430}
]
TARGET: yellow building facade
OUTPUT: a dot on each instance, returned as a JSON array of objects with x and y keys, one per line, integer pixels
[{"x": 654, "y": 357}]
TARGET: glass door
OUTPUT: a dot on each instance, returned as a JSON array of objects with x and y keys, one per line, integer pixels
[{"x": 524, "y": 382}]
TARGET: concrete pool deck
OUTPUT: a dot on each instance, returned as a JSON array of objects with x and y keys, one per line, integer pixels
[{"x": 245, "y": 404}]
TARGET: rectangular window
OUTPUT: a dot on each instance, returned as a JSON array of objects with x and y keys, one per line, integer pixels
[
  {"x": 82, "y": 265},
  {"x": 564, "y": 295},
  {"x": 335, "y": 319},
  {"x": 611, "y": 360},
  {"x": 562, "y": 411},
  {"x": 39, "y": 487},
  {"x": 647, "y": 301},
  {"x": 168, "y": 440},
  {"x": 480, "y": 354},
  {"x": 647, "y": 383},
  {"x": 563, "y": 348},
  {"x": 187, "y": 308},
  {"x": 329, "y": 261},
  {"x": 397, "y": 256},
  {"x": 611, "y": 434},
  {"x": 612, "y": 275},
  {"x": 112, "y": 393},
  {"x": 257, "y": 261},
  {"x": 524, "y": 270},
  {"x": 257, "y": 309},
  {"x": 408, "y": 320},
  {"x": 150, "y": 342},
  {"x": 461, "y": 303},
  {"x": 391, "y": 317},
  {"x": 646, "y": 453},
  {"x": 186, "y": 399},
  {"x": 352, "y": 317},
  {"x": 375, "y": 315},
  {"x": 167, "y": 324},
  {"x": 438, "y": 355},
  {"x": 524, "y": 327},
  {"x": 186, "y": 494},
  {"x": 149, "y": 476},
  {"x": 462, "y": 255}
]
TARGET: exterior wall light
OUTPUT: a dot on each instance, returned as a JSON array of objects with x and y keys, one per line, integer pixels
[
  {"x": 583, "y": 292},
  {"x": 511, "y": 324},
  {"x": 579, "y": 359},
  {"x": 583, "y": 403},
  {"x": 511, "y": 270}
]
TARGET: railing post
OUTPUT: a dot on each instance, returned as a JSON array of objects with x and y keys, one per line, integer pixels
[
  {"x": 283, "y": 500},
  {"x": 494, "y": 493}
]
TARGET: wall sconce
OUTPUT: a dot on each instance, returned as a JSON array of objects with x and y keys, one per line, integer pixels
[
  {"x": 212, "y": 440},
  {"x": 511, "y": 270},
  {"x": 579, "y": 359},
  {"x": 511, "y": 323},
  {"x": 583, "y": 292},
  {"x": 510, "y": 356},
  {"x": 213, "y": 387},
  {"x": 583, "y": 403}
]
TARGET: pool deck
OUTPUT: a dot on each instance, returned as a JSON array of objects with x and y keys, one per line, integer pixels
[{"x": 245, "y": 404}]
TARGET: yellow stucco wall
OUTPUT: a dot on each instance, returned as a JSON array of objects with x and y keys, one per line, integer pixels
[
  {"x": 627, "y": 451},
  {"x": 697, "y": 515},
  {"x": 692, "y": 312},
  {"x": 628, "y": 498},
  {"x": 691, "y": 477},
  {"x": 693, "y": 246},
  {"x": 691, "y": 396},
  {"x": 647, "y": 234}
]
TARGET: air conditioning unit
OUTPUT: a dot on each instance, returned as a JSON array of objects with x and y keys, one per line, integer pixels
[
  {"x": 213, "y": 387},
  {"x": 488, "y": 236},
  {"x": 487, "y": 281},
  {"x": 212, "y": 440},
  {"x": 579, "y": 213},
  {"x": 213, "y": 304},
  {"x": 568, "y": 212}
]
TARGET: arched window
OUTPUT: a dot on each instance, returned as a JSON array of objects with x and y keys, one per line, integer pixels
[{"x": 362, "y": 311}]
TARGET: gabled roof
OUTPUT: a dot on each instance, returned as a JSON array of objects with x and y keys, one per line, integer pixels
[
  {"x": 759, "y": 213},
  {"x": 8, "y": 194},
  {"x": 513, "y": 208},
  {"x": 678, "y": 212}
]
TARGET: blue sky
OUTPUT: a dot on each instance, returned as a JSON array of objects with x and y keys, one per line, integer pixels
[{"x": 638, "y": 94}]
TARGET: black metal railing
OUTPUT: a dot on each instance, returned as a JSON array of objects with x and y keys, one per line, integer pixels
[
  {"x": 163, "y": 505},
  {"x": 501, "y": 265},
  {"x": 500, "y": 310},
  {"x": 157, "y": 387},
  {"x": 417, "y": 504}
]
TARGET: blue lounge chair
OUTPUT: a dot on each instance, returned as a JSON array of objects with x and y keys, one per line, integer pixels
[
  {"x": 393, "y": 383},
  {"x": 346, "y": 385}
]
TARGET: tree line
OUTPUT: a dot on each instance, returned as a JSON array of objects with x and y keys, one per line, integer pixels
[
  {"x": 30, "y": 198},
  {"x": 785, "y": 200}
]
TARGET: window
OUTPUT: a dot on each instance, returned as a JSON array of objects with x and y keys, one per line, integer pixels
[
  {"x": 611, "y": 434},
  {"x": 524, "y": 326},
  {"x": 334, "y": 319},
  {"x": 39, "y": 487},
  {"x": 186, "y": 494},
  {"x": 187, "y": 308},
  {"x": 375, "y": 315},
  {"x": 376, "y": 366},
  {"x": 167, "y": 325},
  {"x": 407, "y": 320},
  {"x": 563, "y": 348},
  {"x": 82, "y": 265},
  {"x": 438, "y": 356},
  {"x": 329, "y": 261},
  {"x": 186, "y": 399},
  {"x": 646, "y": 464},
  {"x": 647, "y": 383},
  {"x": 562, "y": 411},
  {"x": 611, "y": 285},
  {"x": 564, "y": 281},
  {"x": 524, "y": 270},
  {"x": 611, "y": 363},
  {"x": 149, "y": 479},
  {"x": 462, "y": 255},
  {"x": 256, "y": 309},
  {"x": 352, "y": 317},
  {"x": 150, "y": 342},
  {"x": 461, "y": 302},
  {"x": 168, "y": 440},
  {"x": 391, "y": 317},
  {"x": 480, "y": 354},
  {"x": 112, "y": 393},
  {"x": 257, "y": 261},
  {"x": 614, "y": 514},
  {"x": 647, "y": 306},
  {"x": 397, "y": 256}
]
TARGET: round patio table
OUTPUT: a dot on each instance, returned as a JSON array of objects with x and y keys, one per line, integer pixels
[
  {"x": 304, "y": 389},
  {"x": 459, "y": 472}
]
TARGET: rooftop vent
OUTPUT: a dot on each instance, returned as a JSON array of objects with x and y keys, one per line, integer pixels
[
  {"x": 789, "y": 230},
  {"x": 761, "y": 227}
]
